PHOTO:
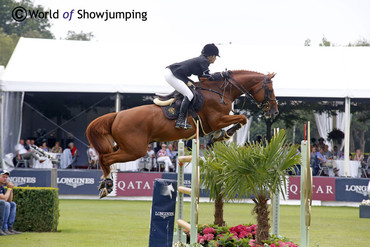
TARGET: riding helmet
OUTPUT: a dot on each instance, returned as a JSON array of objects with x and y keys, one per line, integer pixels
[{"x": 210, "y": 50}]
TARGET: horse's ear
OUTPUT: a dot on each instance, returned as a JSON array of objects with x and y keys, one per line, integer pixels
[{"x": 271, "y": 75}]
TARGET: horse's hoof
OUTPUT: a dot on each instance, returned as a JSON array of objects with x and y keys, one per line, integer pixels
[
  {"x": 103, "y": 193},
  {"x": 101, "y": 185}
]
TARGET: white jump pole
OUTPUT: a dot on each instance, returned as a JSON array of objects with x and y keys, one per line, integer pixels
[{"x": 193, "y": 192}]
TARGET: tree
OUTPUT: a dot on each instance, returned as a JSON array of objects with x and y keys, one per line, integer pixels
[
  {"x": 256, "y": 170},
  {"x": 11, "y": 30},
  {"x": 7, "y": 45},
  {"x": 30, "y": 27},
  {"x": 72, "y": 35}
]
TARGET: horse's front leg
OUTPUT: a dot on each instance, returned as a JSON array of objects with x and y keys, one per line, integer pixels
[{"x": 224, "y": 121}]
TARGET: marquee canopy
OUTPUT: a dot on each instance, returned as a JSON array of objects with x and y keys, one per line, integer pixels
[{"x": 44, "y": 65}]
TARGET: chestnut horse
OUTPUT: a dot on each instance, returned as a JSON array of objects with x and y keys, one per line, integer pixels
[{"x": 124, "y": 136}]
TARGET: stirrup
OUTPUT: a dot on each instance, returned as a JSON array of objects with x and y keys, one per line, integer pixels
[{"x": 182, "y": 125}]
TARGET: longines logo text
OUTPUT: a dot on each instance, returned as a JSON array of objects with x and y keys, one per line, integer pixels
[
  {"x": 75, "y": 182},
  {"x": 164, "y": 215},
  {"x": 17, "y": 181},
  {"x": 360, "y": 189}
]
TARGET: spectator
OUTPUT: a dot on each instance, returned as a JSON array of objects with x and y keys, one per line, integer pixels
[
  {"x": 359, "y": 156},
  {"x": 10, "y": 206},
  {"x": 326, "y": 153},
  {"x": 57, "y": 148},
  {"x": 150, "y": 153},
  {"x": 27, "y": 145},
  {"x": 314, "y": 163},
  {"x": 94, "y": 158},
  {"x": 44, "y": 146},
  {"x": 337, "y": 154},
  {"x": 321, "y": 143},
  {"x": 162, "y": 156},
  {"x": 22, "y": 153},
  {"x": 74, "y": 154},
  {"x": 2, "y": 212}
]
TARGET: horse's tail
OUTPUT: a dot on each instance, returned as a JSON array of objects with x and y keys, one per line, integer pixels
[{"x": 99, "y": 133}]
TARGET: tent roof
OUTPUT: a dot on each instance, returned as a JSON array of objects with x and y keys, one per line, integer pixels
[{"x": 44, "y": 65}]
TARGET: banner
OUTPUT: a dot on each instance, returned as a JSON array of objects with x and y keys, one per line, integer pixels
[
  {"x": 78, "y": 182},
  {"x": 30, "y": 177},
  {"x": 163, "y": 213},
  {"x": 353, "y": 190},
  {"x": 136, "y": 184},
  {"x": 323, "y": 188}
]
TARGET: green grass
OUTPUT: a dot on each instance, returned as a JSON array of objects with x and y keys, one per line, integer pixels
[{"x": 126, "y": 223}]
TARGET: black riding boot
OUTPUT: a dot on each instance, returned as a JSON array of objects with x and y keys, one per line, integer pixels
[{"x": 180, "y": 123}]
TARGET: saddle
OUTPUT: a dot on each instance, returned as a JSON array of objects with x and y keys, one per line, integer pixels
[{"x": 171, "y": 103}]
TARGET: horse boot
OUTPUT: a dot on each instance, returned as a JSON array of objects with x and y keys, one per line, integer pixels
[{"x": 181, "y": 123}]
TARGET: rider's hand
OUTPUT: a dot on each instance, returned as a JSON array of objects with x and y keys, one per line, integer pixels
[{"x": 225, "y": 74}]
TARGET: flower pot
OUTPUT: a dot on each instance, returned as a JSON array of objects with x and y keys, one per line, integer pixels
[{"x": 364, "y": 211}]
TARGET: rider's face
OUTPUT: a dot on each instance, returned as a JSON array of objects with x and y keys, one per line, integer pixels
[{"x": 212, "y": 59}]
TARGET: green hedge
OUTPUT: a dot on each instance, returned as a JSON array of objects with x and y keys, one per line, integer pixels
[{"x": 37, "y": 209}]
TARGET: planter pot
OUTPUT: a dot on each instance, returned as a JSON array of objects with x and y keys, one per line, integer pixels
[{"x": 364, "y": 211}]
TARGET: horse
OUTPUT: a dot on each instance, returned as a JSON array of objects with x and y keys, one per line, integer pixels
[{"x": 124, "y": 136}]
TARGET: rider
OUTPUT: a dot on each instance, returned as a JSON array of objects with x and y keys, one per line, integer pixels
[{"x": 177, "y": 76}]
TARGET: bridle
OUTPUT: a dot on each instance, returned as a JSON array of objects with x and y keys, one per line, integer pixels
[
  {"x": 265, "y": 104},
  {"x": 229, "y": 80}
]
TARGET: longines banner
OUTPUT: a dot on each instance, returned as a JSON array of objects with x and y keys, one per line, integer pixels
[
  {"x": 78, "y": 182},
  {"x": 31, "y": 177},
  {"x": 353, "y": 190}
]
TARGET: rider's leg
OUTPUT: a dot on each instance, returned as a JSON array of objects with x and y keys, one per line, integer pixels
[{"x": 182, "y": 88}]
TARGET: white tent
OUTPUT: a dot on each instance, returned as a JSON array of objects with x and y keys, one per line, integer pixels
[
  {"x": 40, "y": 65},
  {"x": 44, "y": 65}
]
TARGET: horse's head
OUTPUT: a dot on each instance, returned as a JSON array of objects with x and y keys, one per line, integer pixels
[
  {"x": 259, "y": 88},
  {"x": 265, "y": 96}
]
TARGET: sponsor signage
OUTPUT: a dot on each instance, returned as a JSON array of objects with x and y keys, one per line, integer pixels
[
  {"x": 80, "y": 182},
  {"x": 163, "y": 213},
  {"x": 136, "y": 184},
  {"x": 323, "y": 188},
  {"x": 353, "y": 190},
  {"x": 30, "y": 177}
]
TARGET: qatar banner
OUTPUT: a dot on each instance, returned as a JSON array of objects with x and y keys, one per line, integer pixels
[
  {"x": 323, "y": 188},
  {"x": 136, "y": 184}
]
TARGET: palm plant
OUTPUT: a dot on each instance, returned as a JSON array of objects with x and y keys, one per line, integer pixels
[
  {"x": 256, "y": 170},
  {"x": 211, "y": 169}
]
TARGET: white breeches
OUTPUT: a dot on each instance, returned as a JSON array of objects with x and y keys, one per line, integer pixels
[
  {"x": 177, "y": 84},
  {"x": 167, "y": 162}
]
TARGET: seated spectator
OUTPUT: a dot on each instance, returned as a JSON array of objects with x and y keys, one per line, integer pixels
[
  {"x": 44, "y": 146},
  {"x": 314, "y": 163},
  {"x": 326, "y": 153},
  {"x": 337, "y": 154},
  {"x": 22, "y": 153},
  {"x": 57, "y": 148},
  {"x": 10, "y": 206},
  {"x": 321, "y": 143},
  {"x": 359, "y": 156},
  {"x": 2, "y": 212},
  {"x": 171, "y": 153},
  {"x": 93, "y": 157},
  {"x": 74, "y": 154},
  {"x": 162, "y": 156}
]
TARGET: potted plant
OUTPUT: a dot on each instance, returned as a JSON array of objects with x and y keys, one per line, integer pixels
[
  {"x": 365, "y": 209},
  {"x": 336, "y": 136}
]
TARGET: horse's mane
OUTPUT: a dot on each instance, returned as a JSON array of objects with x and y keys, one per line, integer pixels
[{"x": 269, "y": 75}]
